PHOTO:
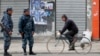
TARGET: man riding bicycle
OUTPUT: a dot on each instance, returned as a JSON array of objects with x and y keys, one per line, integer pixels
[{"x": 72, "y": 30}]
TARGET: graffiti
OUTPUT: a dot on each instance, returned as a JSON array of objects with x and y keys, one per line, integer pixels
[
  {"x": 40, "y": 10},
  {"x": 89, "y": 13},
  {"x": 96, "y": 12},
  {"x": 43, "y": 15}
]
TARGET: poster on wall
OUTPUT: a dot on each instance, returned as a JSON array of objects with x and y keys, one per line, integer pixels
[{"x": 38, "y": 9}]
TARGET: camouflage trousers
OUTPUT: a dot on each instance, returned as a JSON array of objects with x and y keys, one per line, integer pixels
[
  {"x": 7, "y": 40},
  {"x": 28, "y": 37}
]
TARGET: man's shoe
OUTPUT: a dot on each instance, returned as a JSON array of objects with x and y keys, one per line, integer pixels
[
  {"x": 72, "y": 49},
  {"x": 32, "y": 53},
  {"x": 7, "y": 54},
  {"x": 25, "y": 53}
]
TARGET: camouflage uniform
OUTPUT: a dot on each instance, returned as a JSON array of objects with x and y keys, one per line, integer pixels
[
  {"x": 26, "y": 25},
  {"x": 8, "y": 24}
]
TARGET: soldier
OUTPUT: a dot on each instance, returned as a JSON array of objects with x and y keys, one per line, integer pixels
[
  {"x": 26, "y": 29},
  {"x": 8, "y": 25}
]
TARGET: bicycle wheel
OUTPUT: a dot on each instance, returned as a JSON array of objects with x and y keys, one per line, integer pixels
[
  {"x": 83, "y": 46},
  {"x": 55, "y": 46}
]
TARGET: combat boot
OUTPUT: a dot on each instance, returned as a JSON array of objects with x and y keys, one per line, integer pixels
[
  {"x": 6, "y": 53},
  {"x": 31, "y": 52},
  {"x": 24, "y": 49}
]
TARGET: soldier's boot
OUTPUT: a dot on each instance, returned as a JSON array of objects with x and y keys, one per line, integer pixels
[
  {"x": 24, "y": 49},
  {"x": 31, "y": 52},
  {"x": 6, "y": 53}
]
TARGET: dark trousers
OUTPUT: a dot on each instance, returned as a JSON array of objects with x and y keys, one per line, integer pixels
[{"x": 70, "y": 36}]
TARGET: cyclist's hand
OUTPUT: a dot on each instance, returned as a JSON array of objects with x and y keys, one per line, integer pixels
[{"x": 58, "y": 33}]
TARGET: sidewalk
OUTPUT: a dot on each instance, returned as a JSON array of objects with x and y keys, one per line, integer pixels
[{"x": 40, "y": 47}]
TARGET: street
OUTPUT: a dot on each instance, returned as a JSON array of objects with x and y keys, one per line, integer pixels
[
  {"x": 41, "y": 49},
  {"x": 56, "y": 55}
]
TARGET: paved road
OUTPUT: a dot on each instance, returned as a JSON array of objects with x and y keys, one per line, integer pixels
[
  {"x": 40, "y": 48},
  {"x": 56, "y": 55}
]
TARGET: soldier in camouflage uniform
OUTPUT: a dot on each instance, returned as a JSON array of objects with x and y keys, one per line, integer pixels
[
  {"x": 26, "y": 29},
  {"x": 8, "y": 25}
]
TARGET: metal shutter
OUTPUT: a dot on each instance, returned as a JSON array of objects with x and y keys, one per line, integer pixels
[
  {"x": 74, "y": 9},
  {"x": 18, "y": 6}
]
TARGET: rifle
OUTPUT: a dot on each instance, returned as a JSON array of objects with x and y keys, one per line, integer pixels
[{"x": 3, "y": 28}]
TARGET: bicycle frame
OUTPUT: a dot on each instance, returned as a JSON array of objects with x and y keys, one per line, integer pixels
[{"x": 61, "y": 37}]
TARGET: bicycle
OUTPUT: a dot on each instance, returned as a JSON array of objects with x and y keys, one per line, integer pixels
[{"x": 57, "y": 45}]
